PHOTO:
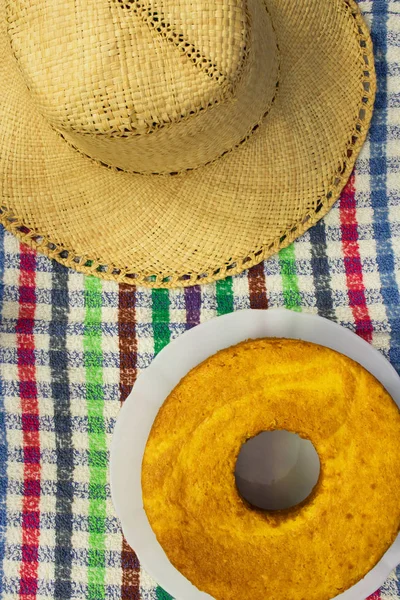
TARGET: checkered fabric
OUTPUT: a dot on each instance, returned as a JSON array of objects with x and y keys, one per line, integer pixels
[{"x": 71, "y": 348}]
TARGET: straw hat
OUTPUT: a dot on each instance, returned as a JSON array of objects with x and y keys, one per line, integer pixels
[{"x": 173, "y": 142}]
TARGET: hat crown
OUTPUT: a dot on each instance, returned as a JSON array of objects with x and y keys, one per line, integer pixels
[
  {"x": 121, "y": 66},
  {"x": 106, "y": 73}
]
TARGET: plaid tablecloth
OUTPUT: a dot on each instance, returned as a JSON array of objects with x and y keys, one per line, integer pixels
[{"x": 71, "y": 348}]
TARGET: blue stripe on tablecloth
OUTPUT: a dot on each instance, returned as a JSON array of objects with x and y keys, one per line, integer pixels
[
  {"x": 79, "y": 424},
  {"x": 42, "y": 327},
  {"x": 43, "y": 357},
  {"x": 321, "y": 272},
  {"x": 58, "y": 358},
  {"x": 49, "y": 521},
  {"x": 392, "y": 165},
  {"x": 76, "y": 297},
  {"x": 48, "y": 487},
  {"x": 3, "y": 432},
  {"x": 45, "y": 589},
  {"x": 111, "y": 390},
  {"x": 80, "y": 556},
  {"x": 49, "y": 456},
  {"x": 378, "y": 175}
]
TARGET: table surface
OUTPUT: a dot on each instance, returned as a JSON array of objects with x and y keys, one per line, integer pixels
[{"x": 71, "y": 348}]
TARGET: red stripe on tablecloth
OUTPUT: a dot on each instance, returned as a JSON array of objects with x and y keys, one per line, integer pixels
[
  {"x": 375, "y": 596},
  {"x": 352, "y": 262},
  {"x": 257, "y": 287},
  {"x": 30, "y": 424},
  {"x": 128, "y": 371}
]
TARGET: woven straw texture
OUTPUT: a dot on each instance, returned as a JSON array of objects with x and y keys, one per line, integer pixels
[
  {"x": 72, "y": 346},
  {"x": 229, "y": 128}
]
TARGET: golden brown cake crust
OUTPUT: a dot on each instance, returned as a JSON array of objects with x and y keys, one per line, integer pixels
[{"x": 314, "y": 552}]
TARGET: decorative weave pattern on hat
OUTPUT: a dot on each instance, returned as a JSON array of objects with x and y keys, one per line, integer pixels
[
  {"x": 140, "y": 72},
  {"x": 286, "y": 94},
  {"x": 135, "y": 44}
]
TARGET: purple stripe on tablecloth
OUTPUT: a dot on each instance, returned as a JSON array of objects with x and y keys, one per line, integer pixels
[{"x": 193, "y": 304}]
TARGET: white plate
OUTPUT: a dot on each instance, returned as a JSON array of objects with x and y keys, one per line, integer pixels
[{"x": 156, "y": 382}]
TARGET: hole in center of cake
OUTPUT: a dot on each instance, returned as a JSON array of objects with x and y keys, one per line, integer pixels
[{"x": 276, "y": 470}]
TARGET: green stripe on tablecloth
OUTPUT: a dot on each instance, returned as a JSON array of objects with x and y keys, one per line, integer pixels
[
  {"x": 287, "y": 263},
  {"x": 161, "y": 332},
  {"x": 224, "y": 295},
  {"x": 162, "y": 594},
  {"x": 93, "y": 358},
  {"x": 160, "y": 318}
]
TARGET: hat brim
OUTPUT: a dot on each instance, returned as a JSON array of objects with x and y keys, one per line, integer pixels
[{"x": 196, "y": 227}]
